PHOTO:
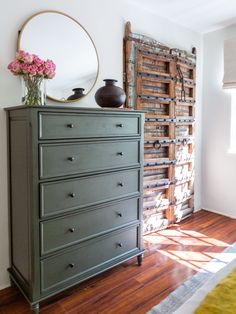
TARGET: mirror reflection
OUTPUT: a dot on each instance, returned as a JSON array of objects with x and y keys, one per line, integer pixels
[{"x": 56, "y": 36}]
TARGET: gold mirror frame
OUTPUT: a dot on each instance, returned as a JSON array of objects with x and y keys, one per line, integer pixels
[{"x": 68, "y": 16}]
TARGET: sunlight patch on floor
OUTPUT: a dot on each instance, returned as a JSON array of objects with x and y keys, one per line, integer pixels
[
  {"x": 180, "y": 260},
  {"x": 182, "y": 246},
  {"x": 190, "y": 256}
]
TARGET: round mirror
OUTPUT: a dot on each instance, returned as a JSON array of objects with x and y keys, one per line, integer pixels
[{"x": 57, "y": 36}]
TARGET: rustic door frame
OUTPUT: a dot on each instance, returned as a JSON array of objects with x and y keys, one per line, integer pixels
[{"x": 162, "y": 81}]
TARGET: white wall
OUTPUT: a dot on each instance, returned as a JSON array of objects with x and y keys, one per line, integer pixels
[
  {"x": 104, "y": 20},
  {"x": 218, "y": 165}
]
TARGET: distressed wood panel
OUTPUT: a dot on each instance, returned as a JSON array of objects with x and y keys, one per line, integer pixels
[
  {"x": 184, "y": 110},
  {"x": 162, "y": 81}
]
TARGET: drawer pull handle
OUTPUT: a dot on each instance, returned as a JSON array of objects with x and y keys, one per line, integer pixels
[
  {"x": 120, "y": 125},
  {"x": 70, "y": 125},
  {"x": 120, "y": 153},
  {"x": 71, "y": 158},
  {"x": 71, "y": 265},
  {"x": 121, "y": 184},
  {"x": 119, "y": 244},
  {"x": 119, "y": 214},
  {"x": 72, "y": 230},
  {"x": 72, "y": 195}
]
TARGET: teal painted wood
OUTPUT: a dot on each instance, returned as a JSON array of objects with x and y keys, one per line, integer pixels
[
  {"x": 67, "y": 230},
  {"x": 63, "y": 267},
  {"x": 23, "y": 149},
  {"x": 98, "y": 184},
  {"x": 63, "y": 125},
  {"x": 60, "y": 196},
  {"x": 76, "y": 158},
  {"x": 20, "y": 190}
]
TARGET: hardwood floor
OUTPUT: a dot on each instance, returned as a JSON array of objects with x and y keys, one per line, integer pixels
[{"x": 171, "y": 256}]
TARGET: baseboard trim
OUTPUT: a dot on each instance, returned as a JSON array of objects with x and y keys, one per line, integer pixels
[
  {"x": 4, "y": 287},
  {"x": 219, "y": 213}
]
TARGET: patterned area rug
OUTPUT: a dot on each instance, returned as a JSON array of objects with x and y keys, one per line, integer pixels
[{"x": 186, "y": 298}]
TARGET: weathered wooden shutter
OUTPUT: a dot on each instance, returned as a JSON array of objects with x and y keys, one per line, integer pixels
[{"x": 161, "y": 81}]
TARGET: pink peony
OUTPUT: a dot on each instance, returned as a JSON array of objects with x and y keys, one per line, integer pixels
[
  {"x": 37, "y": 61},
  {"x": 49, "y": 69},
  {"x": 30, "y": 64},
  {"x": 25, "y": 68},
  {"x": 29, "y": 58},
  {"x": 33, "y": 70},
  {"x": 24, "y": 56},
  {"x": 41, "y": 70},
  {"x": 15, "y": 67},
  {"x": 20, "y": 55}
]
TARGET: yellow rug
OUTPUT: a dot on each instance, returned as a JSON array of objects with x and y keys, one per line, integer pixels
[{"x": 222, "y": 299}]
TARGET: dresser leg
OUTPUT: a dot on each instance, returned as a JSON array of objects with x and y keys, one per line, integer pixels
[
  {"x": 35, "y": 308},
  {"x": 140, "y": 259}
]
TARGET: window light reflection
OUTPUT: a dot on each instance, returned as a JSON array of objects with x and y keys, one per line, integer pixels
[{"x": 190, "y": 248}]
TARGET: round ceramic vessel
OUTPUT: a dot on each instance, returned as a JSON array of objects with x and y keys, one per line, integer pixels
[{"x": 110, "y": 95}]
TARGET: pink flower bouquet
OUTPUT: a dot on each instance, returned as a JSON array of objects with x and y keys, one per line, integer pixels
[{"x": 33, "y": 70}]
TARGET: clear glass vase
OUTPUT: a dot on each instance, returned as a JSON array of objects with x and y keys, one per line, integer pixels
[{"x": 33, "y": 90}]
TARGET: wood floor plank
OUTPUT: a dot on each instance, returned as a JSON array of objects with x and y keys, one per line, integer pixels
[{"x": 171, "y": 257}]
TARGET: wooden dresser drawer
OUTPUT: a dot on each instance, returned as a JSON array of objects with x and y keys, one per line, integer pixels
[
  {"x": 62, "y": 196},
  {"x": 75, "y": 158},
  {"x": 74, "y": 263},
  {"x": 61, "y": 232},
  {"x": 60, "y": 126}
]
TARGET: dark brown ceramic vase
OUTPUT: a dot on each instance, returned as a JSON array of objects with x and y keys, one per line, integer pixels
[
  {"x": 110, "y": 95},
  {"x": 78, "y": 93}
]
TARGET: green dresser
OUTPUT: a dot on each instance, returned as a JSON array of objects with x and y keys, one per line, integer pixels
[{"x": 75, "y": 195}]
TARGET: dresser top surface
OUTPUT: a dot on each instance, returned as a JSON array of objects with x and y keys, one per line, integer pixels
[{"x": 75, "y": 109}]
